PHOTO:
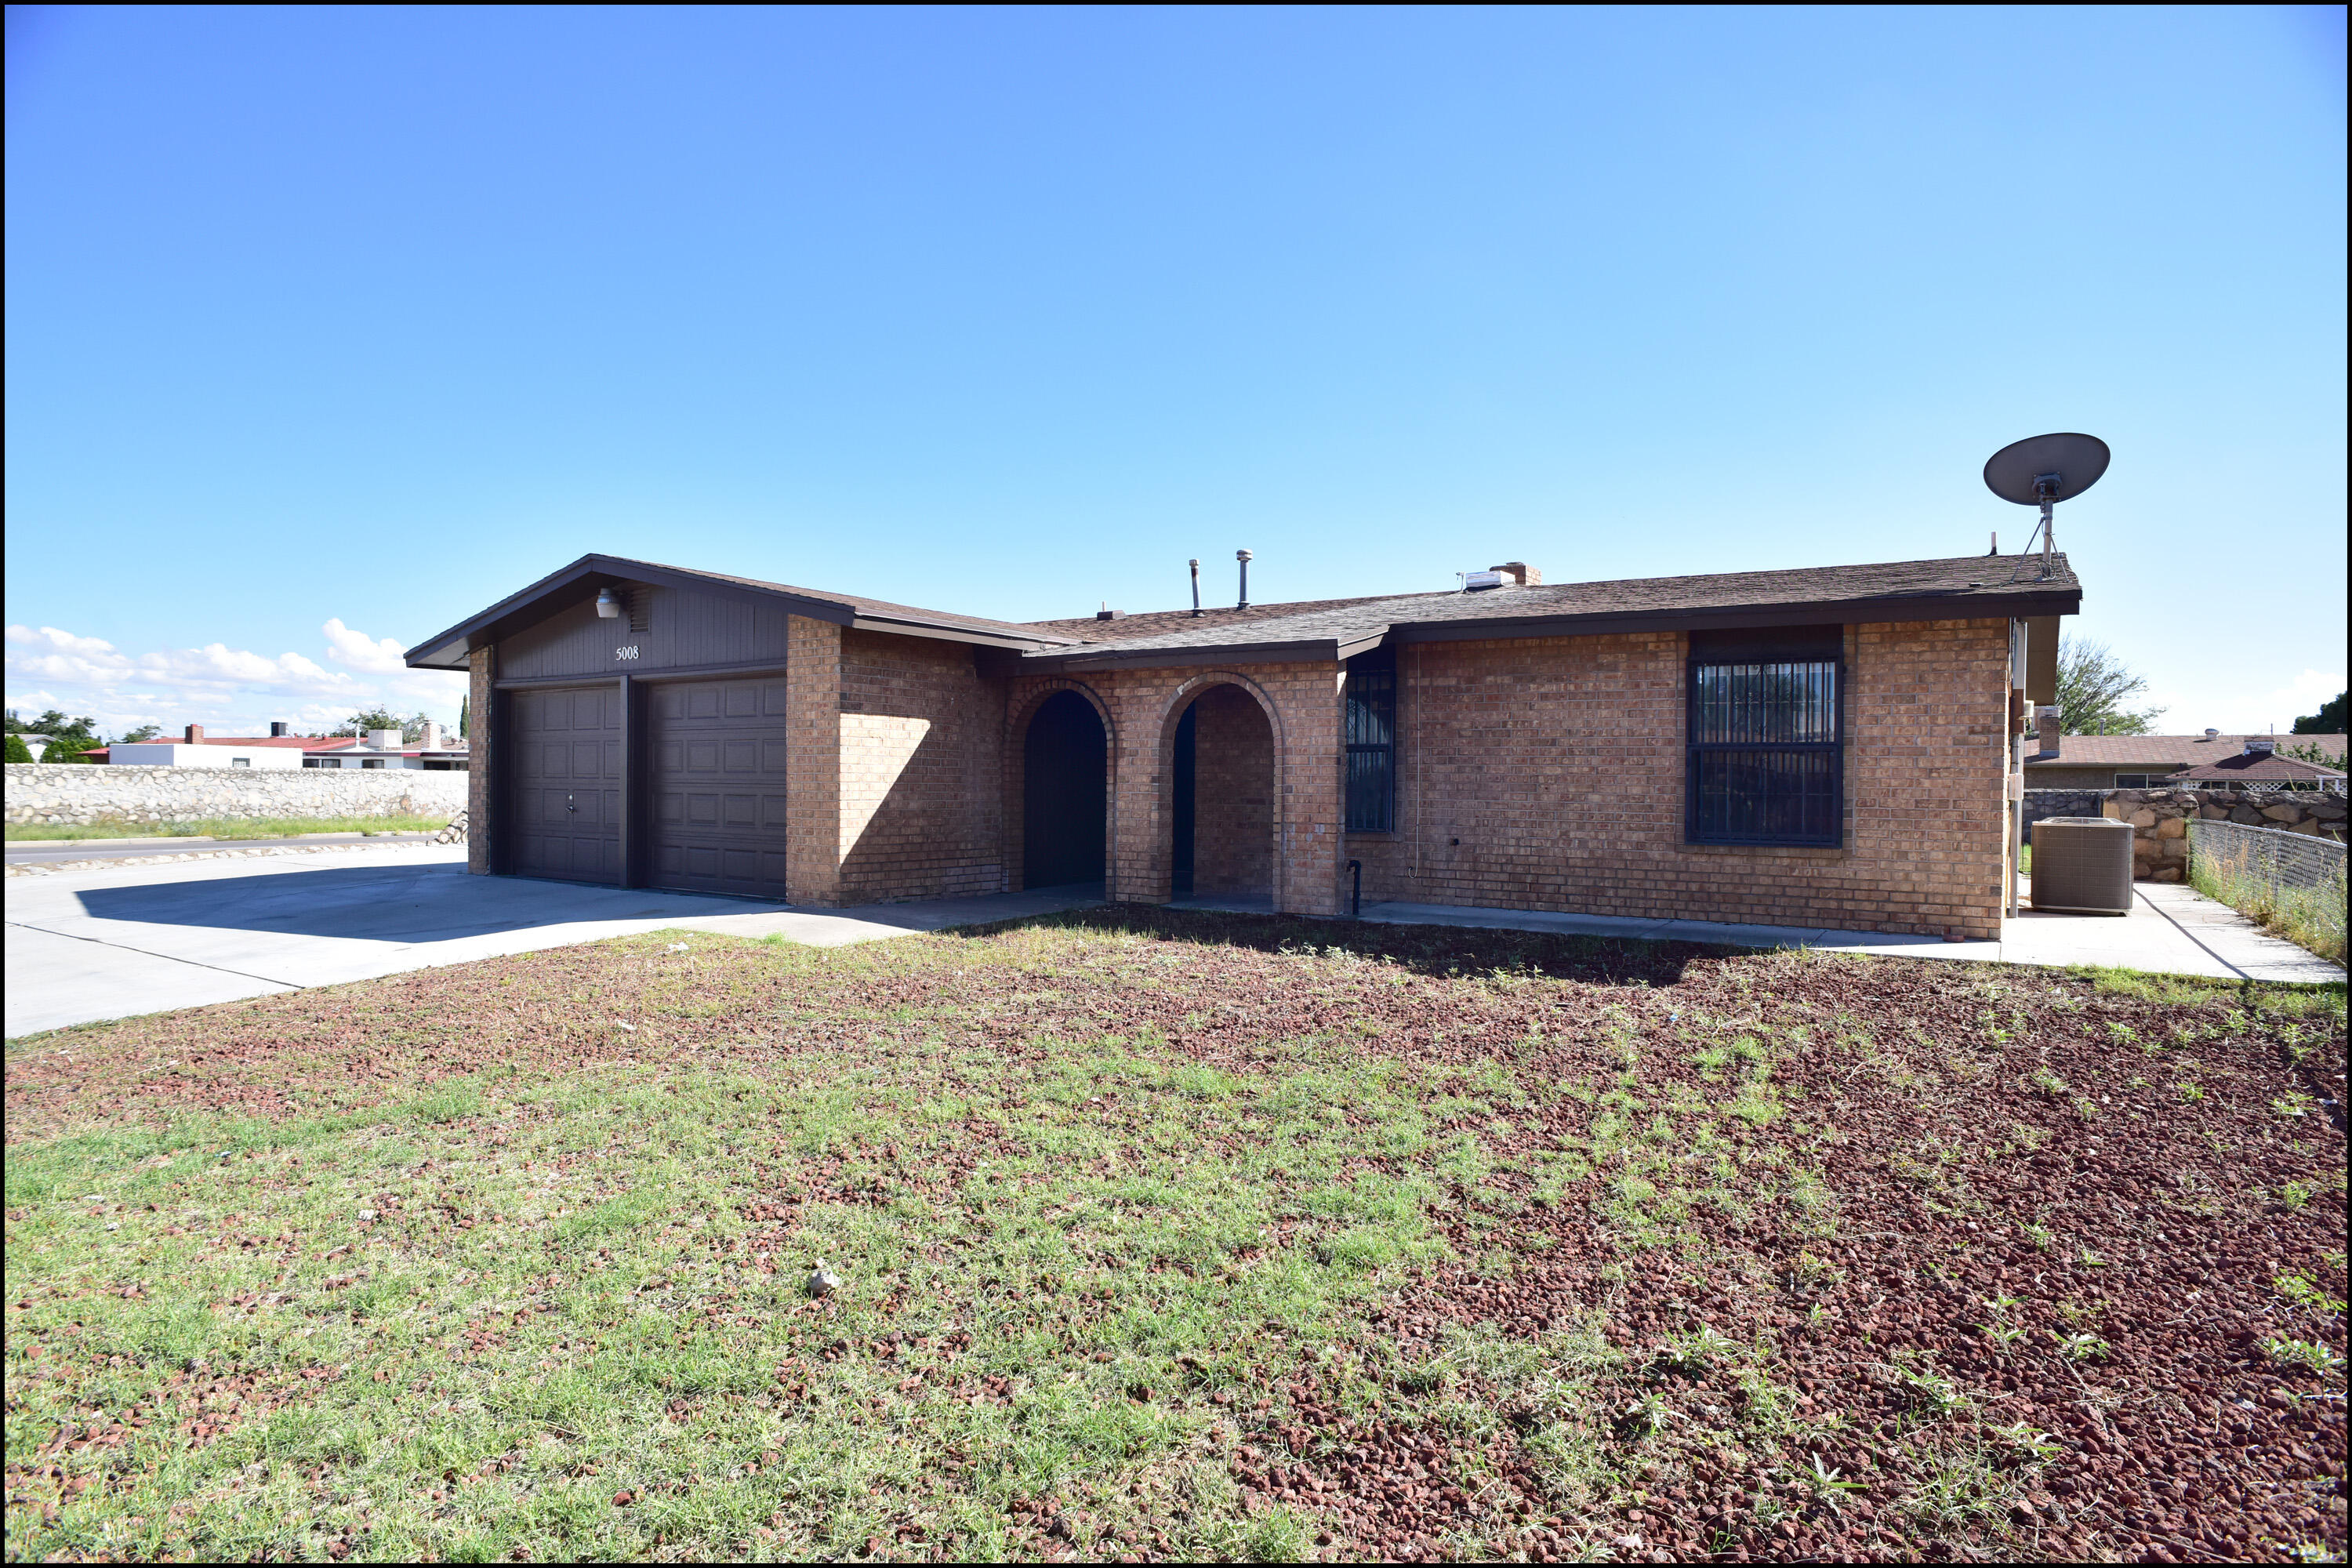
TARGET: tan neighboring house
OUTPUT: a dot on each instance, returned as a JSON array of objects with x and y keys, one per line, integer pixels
[
  {"x": 2139, "y": 762},
  {"x": 1835, "y": 746}
]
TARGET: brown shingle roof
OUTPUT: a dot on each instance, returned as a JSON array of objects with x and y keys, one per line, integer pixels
[
  {"x": 2256, "y": 767},
  {"x": 2167, "y": 751},
  {"x": 1901, "y": 590}
]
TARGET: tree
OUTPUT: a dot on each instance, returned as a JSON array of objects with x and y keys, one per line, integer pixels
[
  {"x": 69, "y": 738},
  {"x": 465, "y": 717},
  {"x": 144, "y": 733},
  {"x": 2328, "y": 721},
  {"x": 411, "y": 728},
  {"x": 2092, "y": 686},
  {"x": 14, "y": 749}
]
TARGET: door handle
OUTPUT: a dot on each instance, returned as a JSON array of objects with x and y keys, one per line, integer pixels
[{"x": 569, "y": 805}]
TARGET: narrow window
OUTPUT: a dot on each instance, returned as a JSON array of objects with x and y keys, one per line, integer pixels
[
  {"x": 1372, "y": 742},
  {"x": 371, "y": 762},
  {"x": 240, "y": 762},
  {"x": 1765, "y": 762},
  {"x": 2131, "y": 780}
]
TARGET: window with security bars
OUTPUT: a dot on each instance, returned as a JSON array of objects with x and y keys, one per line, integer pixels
[
  {"x": 1371, "y": 743},
  {"x": 1766, "y": 758}
]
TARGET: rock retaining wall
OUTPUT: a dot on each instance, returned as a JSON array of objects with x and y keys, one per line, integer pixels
[
  {"x": 76, "y": 797},
  {"x": 2160, "y": 817}
]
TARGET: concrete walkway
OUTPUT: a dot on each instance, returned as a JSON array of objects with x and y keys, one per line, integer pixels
[
  {"x": 115, "y": 942},
  {"x": 2171, "y": 930}
]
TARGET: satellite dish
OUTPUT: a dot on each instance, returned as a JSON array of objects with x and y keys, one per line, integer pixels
[{"x": 2042, "y": 470}]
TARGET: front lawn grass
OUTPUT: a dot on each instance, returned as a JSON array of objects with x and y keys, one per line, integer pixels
[
  {"x": 225, "y": 827},
  {"x": 1174, "y": 1236}
]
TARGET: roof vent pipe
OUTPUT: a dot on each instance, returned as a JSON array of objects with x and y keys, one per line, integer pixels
[
  {"x": 1243, "y": 557},
  {"x": 1195, "y": 564},
  {"x": 2211, "y": 733}
]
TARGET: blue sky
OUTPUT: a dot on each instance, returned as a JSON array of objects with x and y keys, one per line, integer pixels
[{"x": 326, "y": 328}]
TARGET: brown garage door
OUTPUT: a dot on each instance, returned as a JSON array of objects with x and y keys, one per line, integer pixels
[
  {"x": 563, "y": 748},
  {"x": 718, "y": 786}
]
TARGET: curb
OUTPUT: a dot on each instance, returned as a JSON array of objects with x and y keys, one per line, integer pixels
[{"x": 54, "y": 868}]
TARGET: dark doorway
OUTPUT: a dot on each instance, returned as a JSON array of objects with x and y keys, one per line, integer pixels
[
  {"x": 1180, "y": 868},
  {"x": 1062, "y": 761}
]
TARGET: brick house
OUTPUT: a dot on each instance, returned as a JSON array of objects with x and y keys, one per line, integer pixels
[
  {"x": 2138, "y": 761},
  {"x": 1830, "y": 747}
]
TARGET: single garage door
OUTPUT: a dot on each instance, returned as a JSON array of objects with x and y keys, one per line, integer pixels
[
  {"x": 718, "y": 786},
  {"x": 563, "y": 750}
]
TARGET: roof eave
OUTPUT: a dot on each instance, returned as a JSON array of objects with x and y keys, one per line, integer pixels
[
  {"x": 1819, "y": 612},
  {"x": 447, "y": 649}
]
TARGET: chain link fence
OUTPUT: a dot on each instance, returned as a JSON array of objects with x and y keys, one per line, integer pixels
[{"x": 2291, "y": 882}]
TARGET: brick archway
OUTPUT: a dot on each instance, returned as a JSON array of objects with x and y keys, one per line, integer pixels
[
  {"x": 1220, "y": 768},
  {"x": 1022, "y": 714}
]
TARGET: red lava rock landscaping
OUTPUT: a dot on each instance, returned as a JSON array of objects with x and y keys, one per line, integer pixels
[{"x": 1764, "y": 1256}]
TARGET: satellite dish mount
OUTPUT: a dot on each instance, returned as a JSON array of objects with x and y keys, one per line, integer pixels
[{"x": 2041, "y": 471}]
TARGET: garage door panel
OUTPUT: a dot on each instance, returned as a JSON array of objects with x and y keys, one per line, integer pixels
[
  {"x": 563, "y": 797},
  {"x": 720, "y": 751}
]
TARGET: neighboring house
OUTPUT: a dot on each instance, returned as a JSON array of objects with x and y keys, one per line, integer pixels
[
  {"x": 280, "y": 749},
  {"x": 2258, "y": 766},
  {"x": 196, "y": 750},
  {"x": 384, "y": 749},
  {"x": 35, "y": 744},
  {"x": 2135, "y": 761},
  {"x": 1832, "y": 747}
]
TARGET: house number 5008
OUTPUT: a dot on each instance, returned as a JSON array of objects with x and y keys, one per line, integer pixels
[{"x": 628, "y": 652}]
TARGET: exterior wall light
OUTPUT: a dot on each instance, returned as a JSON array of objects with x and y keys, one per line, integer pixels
[{"x": 608, "y": 605}]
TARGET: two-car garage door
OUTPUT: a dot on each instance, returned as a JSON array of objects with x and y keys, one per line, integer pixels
[{"x": 713, "y": 774}]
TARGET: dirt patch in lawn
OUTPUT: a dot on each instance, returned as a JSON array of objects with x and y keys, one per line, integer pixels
[{"x": 1174, "y": 1234}]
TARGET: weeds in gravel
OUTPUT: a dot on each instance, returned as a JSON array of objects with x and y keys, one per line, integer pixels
[
  {"x": 2303, "y": 1354},
  {"x": 1159, "y": 1237}
]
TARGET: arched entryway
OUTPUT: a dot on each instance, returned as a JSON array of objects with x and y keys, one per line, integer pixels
[
  {"x": 1222, "y": 807},
  {"x": 1063, "y": 763}
]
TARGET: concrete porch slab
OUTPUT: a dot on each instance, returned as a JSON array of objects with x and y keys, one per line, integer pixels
[{"x": 2171, "y": 930}]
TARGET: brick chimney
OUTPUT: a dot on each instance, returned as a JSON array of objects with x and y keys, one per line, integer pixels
[
  {"x": 195, "y": 735},
  {"x": 1519, "y": 571},
  {"x": 2045, "y": 720},
  {"x": 431, "y": 739}
]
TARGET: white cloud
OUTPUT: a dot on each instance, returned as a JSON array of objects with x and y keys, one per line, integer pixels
[
  {"x": 228, "y": 690},
  {"x": 2304, "y": 693},
  {"x": 376, "y": 656}
]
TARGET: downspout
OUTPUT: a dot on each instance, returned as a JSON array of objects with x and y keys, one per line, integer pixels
[{"x": 2014, "y": 785}]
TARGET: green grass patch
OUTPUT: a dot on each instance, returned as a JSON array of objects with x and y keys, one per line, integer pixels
[{"x": 225, "y": 827}]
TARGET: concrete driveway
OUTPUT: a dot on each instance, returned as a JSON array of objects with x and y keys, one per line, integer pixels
[{"x": 86, "y": 945}]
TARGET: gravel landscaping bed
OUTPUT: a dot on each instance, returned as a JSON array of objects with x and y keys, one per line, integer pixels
[{"x": 1168, "y": 1235}]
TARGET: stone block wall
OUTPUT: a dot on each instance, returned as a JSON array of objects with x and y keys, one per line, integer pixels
[
  {"x": 2159, "y": 819},
  {"x": 78, "y": 796}
]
